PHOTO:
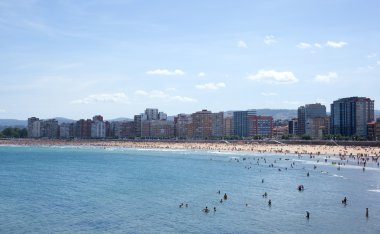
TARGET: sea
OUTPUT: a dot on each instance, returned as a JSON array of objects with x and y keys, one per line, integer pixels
[{"x": 46, "y": 189}]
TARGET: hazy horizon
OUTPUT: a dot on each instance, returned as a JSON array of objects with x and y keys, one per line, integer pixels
[{"x": 76, "y": 59}]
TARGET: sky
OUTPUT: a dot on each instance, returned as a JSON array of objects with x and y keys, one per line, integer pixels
[{"x": 76, "y": 59}]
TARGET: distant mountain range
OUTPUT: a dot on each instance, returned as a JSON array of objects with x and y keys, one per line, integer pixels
[{"x": 276, "y": 113}]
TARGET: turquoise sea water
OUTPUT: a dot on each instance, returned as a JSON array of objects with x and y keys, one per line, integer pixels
[{"x": 96, "y": 190}]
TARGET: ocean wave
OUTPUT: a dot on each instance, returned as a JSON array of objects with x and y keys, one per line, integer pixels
[
  {"x": 374, "y": 190},
  {"x": 339, "y": 176}
]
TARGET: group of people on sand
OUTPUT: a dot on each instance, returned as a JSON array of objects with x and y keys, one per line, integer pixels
[{"x": 343, "y": 151}]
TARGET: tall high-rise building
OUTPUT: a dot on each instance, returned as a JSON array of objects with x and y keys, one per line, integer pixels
[
  {"x": 260, "y": 126},
  {"x": 151, "y": 113},
  {"x": 202, "y": 124},
  {"x": 43, "y": 128},
  {"x": 240, "y": 119},
  {"x": 317, "y": 127},
  {"x": 183, "y": 126},
  {"x": 50, "y": 128},
  {"x": 138, "y": 124},
  {"x": 98, "y": 127},
  {"x": 307, "y": 112},
  {"x": 66, "y": 130},
  {"x": 162, "y": 116},
  {"x": 293, "y": 126},
  {"x": 217, "y": 124},
  {"x": 82, "y": 128},
  {"x": 228, "y": 127},
  {"x": 31, "y": 120},
  {"x": 350, "y": 116}
]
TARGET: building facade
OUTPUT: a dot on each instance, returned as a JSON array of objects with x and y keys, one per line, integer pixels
[
  {"x": 260, "y": 126},
  {"x": 228, "y": 127},
  {"x": 293, "y": 126},
  {"x": 240, "y": 120},
  {"x": 202, "y": 124},
  {"x": 317, "y": 127},
  {"x": 307, "y": 112},
  {"x": 66, "y": 130},
  {"x": 183, "y": 126},
  {"x": 350, "y": 116},
  {"x": 217, "y": 124}
]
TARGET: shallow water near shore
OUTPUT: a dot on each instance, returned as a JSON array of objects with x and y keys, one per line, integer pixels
[{"x": 112, "y": 190}]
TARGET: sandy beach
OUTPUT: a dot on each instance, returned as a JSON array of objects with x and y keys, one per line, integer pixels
[{"x": 328, "y": 150}]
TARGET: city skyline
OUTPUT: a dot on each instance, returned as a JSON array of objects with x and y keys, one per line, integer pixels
[{"x": 78, "y": 59}]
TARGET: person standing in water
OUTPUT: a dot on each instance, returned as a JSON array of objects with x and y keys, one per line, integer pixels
[
  {"x": 307, "y": 214},
  {"x": 225, "y": 196}
]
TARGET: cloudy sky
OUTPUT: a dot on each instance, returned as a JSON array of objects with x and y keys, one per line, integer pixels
[{"x": 116, "y": 57}]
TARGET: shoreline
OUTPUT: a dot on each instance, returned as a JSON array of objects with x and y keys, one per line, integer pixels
[{"x": 253, "y": 147}]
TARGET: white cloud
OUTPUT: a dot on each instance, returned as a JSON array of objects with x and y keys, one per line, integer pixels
[
  {"x": 378, "y": 62},
  {"x": 166, "y": 72},
  {"x": 335, "y": 44},
  {"x": 242, "y": 44},
  {"x": 328, "y": 78},
  {"x": 269, "y": 40},
  {"x": 304, "y": 45},
  {"x": 2, "y": 111},
  {"x": 105, "y": 97},
  {"x": 372, "y": 55},
  {"x": 201, "y": 74},
  {"x": 211, "y": 86},
  {"x": 274, "y": 77},
  {"x": 269, "y": 94},
  {"x": 162, "y": 95}
]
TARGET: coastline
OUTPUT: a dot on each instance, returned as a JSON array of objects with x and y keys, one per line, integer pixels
[{"x": 254, "y": 147}]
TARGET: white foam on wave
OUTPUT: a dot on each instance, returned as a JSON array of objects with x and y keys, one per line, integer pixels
[
  {"x": 360, "y": 167},
  {"x": 374, "y": 190},
  {"x": 11, "y": 145},
  {"x": 339, "y": 176},
  {"x": 222, "y": 153},
  {"x": 158, "y": 149}
]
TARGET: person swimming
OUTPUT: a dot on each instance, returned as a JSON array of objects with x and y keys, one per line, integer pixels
[
  {"x": 206, "y": 210},
  {"x": 344, "y": 201},
  {"x": 221, "y": 201},
  {"x": 308, "y": 174}
]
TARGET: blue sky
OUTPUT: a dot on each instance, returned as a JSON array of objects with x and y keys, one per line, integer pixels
[{"x": 116, "y": 57}]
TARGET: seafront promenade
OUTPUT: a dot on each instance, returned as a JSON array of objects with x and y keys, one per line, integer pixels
[{"x": 329, "y": 149}]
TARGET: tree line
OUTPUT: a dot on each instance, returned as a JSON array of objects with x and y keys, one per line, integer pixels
[{"x": 14, "y": 133}]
